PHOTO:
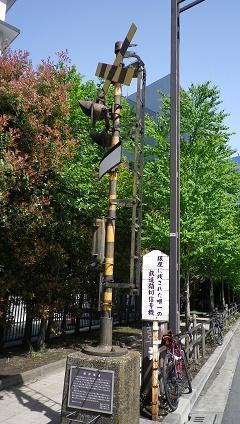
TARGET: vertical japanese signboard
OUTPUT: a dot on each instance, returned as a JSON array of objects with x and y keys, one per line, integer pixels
[{"x": 155, "y": 286}]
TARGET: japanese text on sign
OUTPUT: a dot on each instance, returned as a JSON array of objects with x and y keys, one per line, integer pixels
[{"x": 155, "y": 286}]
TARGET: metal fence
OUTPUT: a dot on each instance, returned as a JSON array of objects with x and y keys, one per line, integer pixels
[{"x": 77, "y": 317}]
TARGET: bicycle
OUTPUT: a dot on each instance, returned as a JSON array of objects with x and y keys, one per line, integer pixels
[{"x": 175, "y": 373}]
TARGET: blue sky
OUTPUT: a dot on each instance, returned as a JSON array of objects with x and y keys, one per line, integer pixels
[{"x": 210, "y": 34}]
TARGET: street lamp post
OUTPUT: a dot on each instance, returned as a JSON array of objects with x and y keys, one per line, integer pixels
[
  {"x": 174, "y": 259},
  {"x": 174, "y": 172}
]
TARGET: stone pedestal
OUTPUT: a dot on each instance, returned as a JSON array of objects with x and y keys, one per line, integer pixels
[{"x": 126, "y": 395}]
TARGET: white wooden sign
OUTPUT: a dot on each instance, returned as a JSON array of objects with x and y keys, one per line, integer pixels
[{"x": 155, "y": 286}]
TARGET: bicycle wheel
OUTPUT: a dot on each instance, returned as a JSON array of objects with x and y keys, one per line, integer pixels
[
  {"x": 184, "y": 375},
  {"x": 171, "y": 388},
  {"x": 145, "y": 400}
]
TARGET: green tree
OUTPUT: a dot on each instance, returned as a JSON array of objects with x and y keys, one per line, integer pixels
[{"x": 209, "y": 187}]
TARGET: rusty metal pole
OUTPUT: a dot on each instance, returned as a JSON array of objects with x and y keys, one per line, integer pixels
[{"x": 106, "y": 319}]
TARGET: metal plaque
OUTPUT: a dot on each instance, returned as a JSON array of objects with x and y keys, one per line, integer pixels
[
  {"x": 91, "y": 389},
  {"x": 112, "y": 158}
]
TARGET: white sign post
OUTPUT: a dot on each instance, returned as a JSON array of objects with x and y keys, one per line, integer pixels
[
  {"x": 155, "y": 307},
  {"x": 155, "y": 286}
]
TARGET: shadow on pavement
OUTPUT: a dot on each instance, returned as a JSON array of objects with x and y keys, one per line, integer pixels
[
  {"x": 10, "y": 381},
  {"x": 37, "y": 402}
]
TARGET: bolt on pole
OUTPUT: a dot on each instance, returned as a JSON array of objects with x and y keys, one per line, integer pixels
[{"x": 174, "y": 259}]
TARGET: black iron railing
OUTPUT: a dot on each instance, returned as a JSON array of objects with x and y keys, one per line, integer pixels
[{"x": 76, "y": 317}]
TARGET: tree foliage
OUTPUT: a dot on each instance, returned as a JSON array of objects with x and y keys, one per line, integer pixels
[
  {"x": 50, "y": 191},
  {"x": 210, "y": 187}
]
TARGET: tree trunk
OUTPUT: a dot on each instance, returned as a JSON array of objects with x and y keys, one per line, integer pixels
[
  {"x": 77, "y": 325},
  {"x": 64, "y": 321},
  {"x": 42, "y": 334},
  {"x": 223, "y": 295},
  {"x": 212, "y": 303},
  {"x": 28, "y": 327},
  {"x": 187, "y": 299},
  {"x": 229, "y": 299},
  {"x": 3, "y": 318},
  {"x": 2, "y": 331},
  {"x": 49, "y": 326},
  {"x": 79, "y": 314}
]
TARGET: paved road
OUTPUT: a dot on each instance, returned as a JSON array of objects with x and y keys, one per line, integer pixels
[
  {"x": 232, "y": 410},
  {"x": 38, "y": 402},
  {"x": 220, "y": 394}
]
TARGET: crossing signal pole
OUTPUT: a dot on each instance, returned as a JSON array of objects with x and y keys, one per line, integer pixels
[
  {"x": 115, "y": 74},
  {"x": 135, "y": 261},
  {"x": 120, "y": 401},
  {"x": 106, "y": 319}
]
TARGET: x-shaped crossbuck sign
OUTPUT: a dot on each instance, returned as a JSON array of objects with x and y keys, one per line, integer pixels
[{"x": 117, "y": 72}]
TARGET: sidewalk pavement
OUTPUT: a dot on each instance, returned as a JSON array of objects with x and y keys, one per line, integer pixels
[
  {"x": 214, "y": 396},
  {"x": 188, "y": 402},
  {"x": 39, "y": 401}
]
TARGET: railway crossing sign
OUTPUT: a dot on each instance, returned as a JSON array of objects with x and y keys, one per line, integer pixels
[
  {"x": 97, "y": 110},
  {"x": 113, "y": 73},
  {"x": 121, "y": 74}
]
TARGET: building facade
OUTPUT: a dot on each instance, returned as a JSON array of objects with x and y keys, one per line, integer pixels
[
  {"x": 153, "y": 104},
  {"x": 8, "y": 33}
]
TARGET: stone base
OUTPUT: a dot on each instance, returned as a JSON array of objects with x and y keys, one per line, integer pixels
[{"x": 126, "y": 392}]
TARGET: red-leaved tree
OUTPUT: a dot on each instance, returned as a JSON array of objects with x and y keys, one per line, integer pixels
[{"x": 36, "y": 141}]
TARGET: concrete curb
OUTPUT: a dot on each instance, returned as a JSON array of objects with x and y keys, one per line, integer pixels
[
  {"x": 31, "y": 375},
  {"x": 186, "y": 402}
]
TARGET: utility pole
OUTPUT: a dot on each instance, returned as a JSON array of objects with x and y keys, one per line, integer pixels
[{"x": 174, "y": 258}]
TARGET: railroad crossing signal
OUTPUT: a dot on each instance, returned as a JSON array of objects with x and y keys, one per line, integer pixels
[
  {"x": 96, "y": 111},
  {"x": 121, "y": 74},
  {"x": 112, "y": 158},
  {"x": 117, "y": 74},
  {"x": 114, "y": 71}
]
